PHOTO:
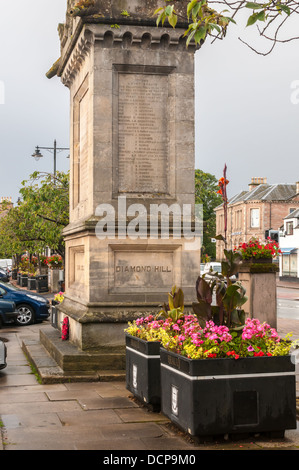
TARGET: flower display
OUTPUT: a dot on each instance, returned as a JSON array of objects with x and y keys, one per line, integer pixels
[
  {"x": 43, "y": 260},
  {"x": 255, "y": 249},
  {"x": 187, "y": 338},
  {"x": 65, "y": 329},
  {"x": 54, "y": 261},
  {"x": 59, "y": 297}
]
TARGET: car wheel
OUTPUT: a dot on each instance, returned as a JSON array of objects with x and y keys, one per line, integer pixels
[{"x": 26, "y": 315}]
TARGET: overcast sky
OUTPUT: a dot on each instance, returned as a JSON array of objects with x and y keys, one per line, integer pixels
[{"x": 244, "y": 113}]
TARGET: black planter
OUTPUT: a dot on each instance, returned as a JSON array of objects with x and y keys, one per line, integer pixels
[
  {"x": 143, "y": 370},
  {"x": 18, "y": 279},
  {"x": 23, "y": 281},
  {"x": 54, "y": 316},
  {"x": 211, "y": 397},
  {"x": 31, "y": 283},
  {"x": 14, "y": 274},
  {"x": 42, "y": 283}
]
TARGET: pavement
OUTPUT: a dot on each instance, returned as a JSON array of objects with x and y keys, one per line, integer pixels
[{"x": 100, "y": 416}]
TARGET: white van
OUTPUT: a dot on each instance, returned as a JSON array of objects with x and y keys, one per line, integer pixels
[{"x": 6, "y": 263}]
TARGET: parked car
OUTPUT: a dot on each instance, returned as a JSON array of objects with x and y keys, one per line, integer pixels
[
  {"x": 6, "y": 264},
  {"x": 4, "y": 275},
  {"x": 211, "y": 268},
  {"x": 3, "y": 355},
  {"x": 32, "y": 308},
  {"x": 8, "y": 311}
]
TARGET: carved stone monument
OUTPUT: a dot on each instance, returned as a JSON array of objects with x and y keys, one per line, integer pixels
[{"x": 132, "y": 152}]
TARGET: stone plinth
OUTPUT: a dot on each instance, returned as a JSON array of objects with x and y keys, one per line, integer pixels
[
  {"x": 259, "y": 280},
  {"x": 132, "y": 147}
]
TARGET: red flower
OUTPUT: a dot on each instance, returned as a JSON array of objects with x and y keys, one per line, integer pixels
[{"x": 65, "y": 329}]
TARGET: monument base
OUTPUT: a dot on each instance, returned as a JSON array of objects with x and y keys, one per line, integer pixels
[
  {"x": 57, "y": 361},
  {"x": 100, "y": 327}
]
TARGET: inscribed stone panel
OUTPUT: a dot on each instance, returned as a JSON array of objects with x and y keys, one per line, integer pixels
[
  {"x": 84, "y": 142},
  {"x": 77, "y": 265},
  {"x": 143, "y": 133},
  {"x": 145, "y": 270}
]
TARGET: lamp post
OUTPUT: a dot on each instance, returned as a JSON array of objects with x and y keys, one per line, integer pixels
[{"x": 37, "y": 155}]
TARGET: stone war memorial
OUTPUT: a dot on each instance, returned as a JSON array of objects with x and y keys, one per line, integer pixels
[{"x": 131, "y": 234}]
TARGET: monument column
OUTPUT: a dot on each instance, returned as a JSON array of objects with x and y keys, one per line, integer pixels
[{"x": 132, "y": 155}]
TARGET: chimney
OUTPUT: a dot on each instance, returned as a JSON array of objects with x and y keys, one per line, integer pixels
[
  {"x": 256, "y": 181},
  {"x": 297, "y": 187}
]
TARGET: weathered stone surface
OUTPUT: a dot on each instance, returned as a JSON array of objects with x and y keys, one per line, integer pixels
[{"x": 132, "y": 142}]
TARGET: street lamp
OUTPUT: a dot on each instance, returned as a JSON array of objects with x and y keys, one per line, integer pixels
[{"x": 37, "y": 155}]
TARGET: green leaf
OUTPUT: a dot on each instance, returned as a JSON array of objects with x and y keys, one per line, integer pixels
[
  {"x": 256, "y": 17},
  {"x": 178, "y": 301},
  {"x": 190, "y": 6},
  {"x": 254, "y": 6},
  {"x": 169, "y": 10},
  {"x": 200, "y": 34},
  {"x": 190, "y": 37},
  {"x": 286, "y": 9},
  {"x": 195, "y": 10},
  {"x": 161, "y": 18},
  {"x": 173, "y": 19}
]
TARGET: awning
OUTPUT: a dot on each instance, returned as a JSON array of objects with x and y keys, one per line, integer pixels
[{"x": 288, "y": 251}]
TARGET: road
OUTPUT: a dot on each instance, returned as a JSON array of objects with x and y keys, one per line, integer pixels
[{"x": 288, "y": 303}]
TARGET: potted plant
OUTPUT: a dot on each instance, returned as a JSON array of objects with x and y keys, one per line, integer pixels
[
  {"x": 54, "y": 262},
  {"x": 14, "y": 274},
  {"x": 257, "y": 252},
  {"x": 143, "y": 350},
  {"x": 54, "y": 313},
  {"x": 23, "y": 278},
  {"x": 216, "y": 382},
  {"x": 224, "y": 374},
  {"x": 31, "y": 283}
]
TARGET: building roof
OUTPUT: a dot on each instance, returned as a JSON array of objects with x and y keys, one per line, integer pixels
[
  {"x": 265, "y": 193},
  {"x": 293, "y": 215}
]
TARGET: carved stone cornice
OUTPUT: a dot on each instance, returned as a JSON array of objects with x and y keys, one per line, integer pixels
[
  {"x": 124, "y": 37},
  {"x": 70, "y": 64},
  {"x": 134, "y": 37}
]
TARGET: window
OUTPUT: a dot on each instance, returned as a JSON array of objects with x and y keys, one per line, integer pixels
[
  {"x": 254, "y": 218},
  {"x": 238, "y": 219},
  {"x": 289, "y": 228},
  {"x": 289, "y": 265}
]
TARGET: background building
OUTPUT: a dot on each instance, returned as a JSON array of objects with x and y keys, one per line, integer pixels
[
  {"x": 5, "y": 205},
  {"x": 289, "y": 245},
  {"x": 258, "y": 212}
]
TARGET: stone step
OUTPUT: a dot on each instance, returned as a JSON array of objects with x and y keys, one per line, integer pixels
[
  {"x": 70, "y": 358},
  {"x": 79, "y": 364}
]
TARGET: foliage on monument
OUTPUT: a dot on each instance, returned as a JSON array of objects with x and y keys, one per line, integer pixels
[
  {"x": 37, "y": 221},
  {"x": 82, "y": 8},
  {"x": 203, "y": 21},
  {"x": 206, "y": 194},
  {"x": 230, "y": 296}
]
